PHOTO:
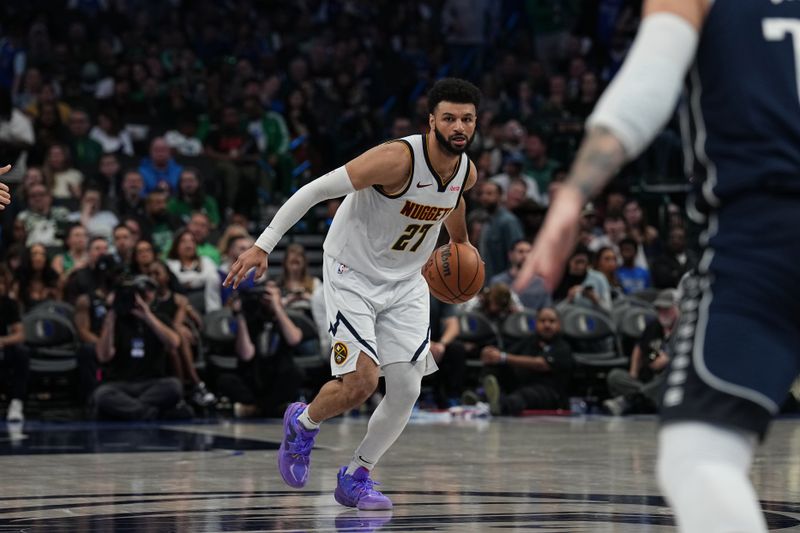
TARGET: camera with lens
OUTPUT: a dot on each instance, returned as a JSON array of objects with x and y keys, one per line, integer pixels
[
  {"x": 253, "y": 304},
  {"x": 125, "y": 295}
]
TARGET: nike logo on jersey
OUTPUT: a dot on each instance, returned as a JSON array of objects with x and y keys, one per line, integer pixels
[
  {"x": 361, "y": 458},
  {"x": 420, "y": 186}
]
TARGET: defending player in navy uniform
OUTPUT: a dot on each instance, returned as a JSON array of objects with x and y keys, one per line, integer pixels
[
  {"x": 377, "y": 302},
  {"x": 736, "y": 348}
]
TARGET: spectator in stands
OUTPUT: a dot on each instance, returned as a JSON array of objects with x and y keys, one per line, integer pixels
[
  {"x": 536, "y": 296},
  {"x": 49, "y": 131},
  {"x": 296, "y": 284},
  {"x": 516, "y": 195},
  {"x": 32, "y": 82},
  {"x": 168, "y": 303},
  {"x": 143, "y": 256},
  {"x": 535, "y": 376},
  {"x": 632, "y": 278},
  {"x": 637, "y": 228},
  {"x": 184, "y": 140},
  {"x": 47, "y": 95},
  {"x": 36, "y": 281},
  {"x": 111, "y": 135},
  {"x": 676, "y": 260},
  {"x": 131, "y": 202},
  {"x": 17, "y": 136},
  {"x": 240, "y": 386},
  {"x": 83, "y": 280},
  {"x": 271, "y": 135},
  {"x": 95, "y": 219},
  {"x": 235, "y": 152},
  {"x": 66, "y": 181},
  {"x": 108, "y": 177},
  {"x": 582, "y": 285},
  {"x": 196, "y": 274},
  {"x": 200, "y": 227},
  {"x": 498, "y": 233},
  {"x": 160, "y": 171},
  {"x": 449, "y": 353},
  {"x": 605, "y": 262},
  {"x": 613, "y": 233},
  {"x": 638, "y": 388},
  {"x": 76, "y": 254},
  {"x": 124, "y": 245},
  {"x": 231, "y": 232},
  {"x": 14, "y": 360},
  {"x": 133, "y": 346},
  {"x": 275, "y": 379},
  {"x": 401, "y": 127},
  {"x": 539, "y": 166},
  {"x": 84, "y": 150},
  {"x": 513, "y": 172},
  {"x": 237, "y": 245},
  {"x": 589, "y": 93},
  {"x": 191, "y": 197},
  {"x": 158, "y": 223},
  {"x": 495, "y": 302}
]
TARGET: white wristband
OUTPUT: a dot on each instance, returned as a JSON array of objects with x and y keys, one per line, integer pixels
[{"x": 332, "y": 185}]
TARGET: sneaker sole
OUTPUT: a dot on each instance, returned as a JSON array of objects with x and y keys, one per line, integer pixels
[{"x": 492, "y": 389}]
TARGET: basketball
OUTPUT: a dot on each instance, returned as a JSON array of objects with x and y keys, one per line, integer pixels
[{"x": 454, "y": 273}]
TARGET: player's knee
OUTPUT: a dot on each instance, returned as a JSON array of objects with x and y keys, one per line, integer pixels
[{"x": 359, "y": 387}]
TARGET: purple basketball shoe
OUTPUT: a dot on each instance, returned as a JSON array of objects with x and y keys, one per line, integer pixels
[
  {"x": 294, "y": 455},
  {"x": 357, "y": 491}
]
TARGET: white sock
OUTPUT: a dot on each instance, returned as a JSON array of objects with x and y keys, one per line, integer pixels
[
  {"x": 392, "y": 414},
  {"x": 703, "y": 473},
  {"x": 306, "y": 422}
]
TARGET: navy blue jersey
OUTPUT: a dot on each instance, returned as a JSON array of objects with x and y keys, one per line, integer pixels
[{"x": 744, "y": 98}]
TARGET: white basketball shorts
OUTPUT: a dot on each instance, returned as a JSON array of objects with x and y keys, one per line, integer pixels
[{"x": 387, "y": 320}]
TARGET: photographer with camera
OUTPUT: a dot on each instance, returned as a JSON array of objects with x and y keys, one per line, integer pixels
[
  {"x": 637, "y": 389},
  {"x": 274, "y": 379},
  {"x": 134, "y": 345}
]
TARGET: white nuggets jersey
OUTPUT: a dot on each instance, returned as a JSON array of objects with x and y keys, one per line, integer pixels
[{"x": 390, "y": 237}]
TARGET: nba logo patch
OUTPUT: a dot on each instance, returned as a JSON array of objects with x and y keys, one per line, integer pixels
[
  {"x": 455, "y": 188},
  {"x": 339, "y": 353},
  {"x": 341, "y": 269}
]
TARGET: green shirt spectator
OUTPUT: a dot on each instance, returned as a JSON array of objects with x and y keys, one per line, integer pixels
[{"x": 191, "y": 198}]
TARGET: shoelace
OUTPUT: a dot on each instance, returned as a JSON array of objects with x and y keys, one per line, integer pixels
[
  {"x": 300, "y": 447},
  {"x": 365, "y": 486}
]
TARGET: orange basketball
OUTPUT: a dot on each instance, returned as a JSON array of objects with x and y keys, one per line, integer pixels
[{"x": 454, "y": 273}]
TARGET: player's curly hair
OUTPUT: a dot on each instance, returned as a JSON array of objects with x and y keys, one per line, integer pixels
[{"x": 453, "y": 90}]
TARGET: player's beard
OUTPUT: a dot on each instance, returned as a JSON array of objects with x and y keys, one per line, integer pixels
[{"x": 447, "y": 146}]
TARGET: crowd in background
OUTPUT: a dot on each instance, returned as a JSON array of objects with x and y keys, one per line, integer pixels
[{"x": 151, "y": 140}]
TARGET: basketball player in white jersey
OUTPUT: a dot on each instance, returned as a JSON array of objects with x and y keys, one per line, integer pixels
[
  {"x": 398, "y": 195},
  {"x": 735, "y": 353}
]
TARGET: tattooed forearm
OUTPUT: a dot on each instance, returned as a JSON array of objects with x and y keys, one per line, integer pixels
[{"x": 600, "y": 157}]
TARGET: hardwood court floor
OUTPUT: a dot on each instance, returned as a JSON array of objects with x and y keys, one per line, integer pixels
[{"x": 583, "y": 474}]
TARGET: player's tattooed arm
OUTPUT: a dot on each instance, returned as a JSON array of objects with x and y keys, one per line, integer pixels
[{"x": 600, "y": 157}]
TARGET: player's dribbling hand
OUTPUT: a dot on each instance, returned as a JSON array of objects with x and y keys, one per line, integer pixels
[
  {"x": 555, "y": 241},
  {"x": 5, "y": 193},
  {"x": 255, "y": 257}
]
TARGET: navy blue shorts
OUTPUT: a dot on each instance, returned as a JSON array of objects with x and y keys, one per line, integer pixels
[{"x": 736, "y": 349}]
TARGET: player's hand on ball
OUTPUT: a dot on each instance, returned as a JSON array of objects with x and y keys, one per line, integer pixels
[
  {"x": 555, "y": 242},
  {"x": 5, "y": 193},
  {"x": 255, "y": 257}
]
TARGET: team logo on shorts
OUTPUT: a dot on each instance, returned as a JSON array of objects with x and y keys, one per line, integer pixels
[{"x": 339, "y": 353}]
